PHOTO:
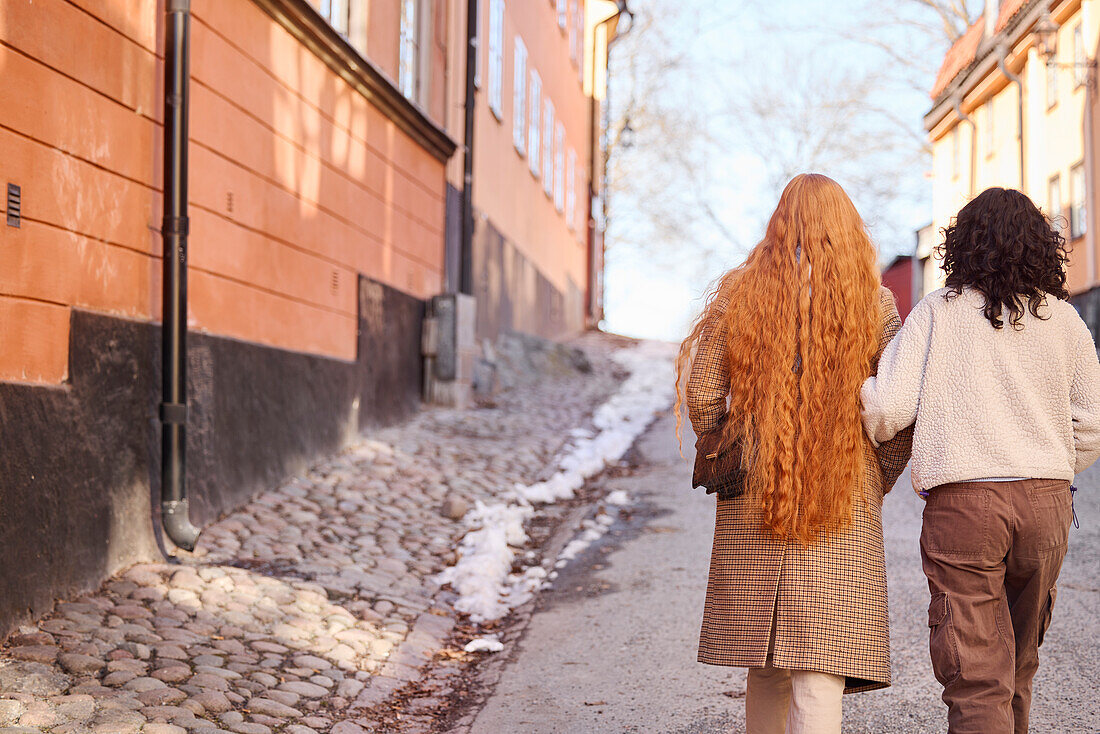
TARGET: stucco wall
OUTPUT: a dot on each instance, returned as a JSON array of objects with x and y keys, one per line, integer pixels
[
  {"x": 297, "y": 182},
  {"x": 507, "y": 195}
]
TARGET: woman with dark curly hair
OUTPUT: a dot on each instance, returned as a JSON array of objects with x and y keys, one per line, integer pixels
[{"x": 1001, "y": 379}]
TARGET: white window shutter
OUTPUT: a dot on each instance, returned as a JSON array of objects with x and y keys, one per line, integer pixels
[
  {"x": 559, "y": 166},
  {"x": 571, "y": 189},
  {"x": 548, "y": 148},
  {"x": 534, "y": 147},
  {"x": 496, "y": 56},
  {"x": 519, "y": 97}
]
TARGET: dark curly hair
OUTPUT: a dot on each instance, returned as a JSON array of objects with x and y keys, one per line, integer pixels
[{"x": 1001, "y": 245}]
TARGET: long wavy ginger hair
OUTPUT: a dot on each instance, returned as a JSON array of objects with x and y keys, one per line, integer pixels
[{"x": 800, "y": 319}]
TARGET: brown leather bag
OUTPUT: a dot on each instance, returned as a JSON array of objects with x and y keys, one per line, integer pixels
[{"x": 719, "y": 469}]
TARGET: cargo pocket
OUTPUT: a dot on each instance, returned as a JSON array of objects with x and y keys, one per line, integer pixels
[
  {"x": 941, "y": 640},
  {"x": 1048, "y": 612}
]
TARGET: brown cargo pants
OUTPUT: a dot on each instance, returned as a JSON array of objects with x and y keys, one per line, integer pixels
[{"x": 992, "y": 552}]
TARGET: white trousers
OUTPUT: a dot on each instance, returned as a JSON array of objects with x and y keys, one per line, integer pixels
[{"x": 779, "y": 701}]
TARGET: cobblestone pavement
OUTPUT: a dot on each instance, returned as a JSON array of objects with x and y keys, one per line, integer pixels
[{"x": 305, "y": 610}]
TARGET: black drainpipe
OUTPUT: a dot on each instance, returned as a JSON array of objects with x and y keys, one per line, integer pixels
[
  {"x": 173, "y": 408},
  {"x": 466, "y": 263}
]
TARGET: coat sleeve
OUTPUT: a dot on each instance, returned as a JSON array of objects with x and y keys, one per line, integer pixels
[
  {"x": 891, "y": 396},
  {"x": 1085, "y": 402},
  {"x": 709, "y": 382},
  {"x": 894, "y": 453}
]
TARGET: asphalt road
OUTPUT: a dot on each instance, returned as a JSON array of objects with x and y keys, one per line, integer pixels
[{"x": 612, "y": 646}]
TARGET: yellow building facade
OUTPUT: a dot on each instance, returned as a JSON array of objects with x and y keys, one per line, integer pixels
[{"x": 1014, "y": 106}]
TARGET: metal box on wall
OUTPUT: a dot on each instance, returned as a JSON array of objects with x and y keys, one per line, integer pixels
[{"x": 450, "y": 349}]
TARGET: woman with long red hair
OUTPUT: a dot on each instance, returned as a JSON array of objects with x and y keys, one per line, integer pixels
[{"x": 797, "y": 587}]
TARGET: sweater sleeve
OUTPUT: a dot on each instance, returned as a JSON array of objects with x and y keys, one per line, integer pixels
[
  {"x": 892, "y": 455},
  {"x": 890, "y": 398},
  {"x": 1085, "y": 402}
]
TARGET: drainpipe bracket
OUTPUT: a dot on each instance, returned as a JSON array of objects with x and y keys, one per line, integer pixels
[
  {"x": 180, "y": 226},
  {"x": 173, "y": 413}
]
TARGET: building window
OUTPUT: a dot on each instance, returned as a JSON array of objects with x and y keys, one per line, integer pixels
[
  {"x": 496, "y": 55},
  {"x": 407, "y": 76},
  {"x": 559, "y": 165},
  {"x": 582, "y": 212},
  {"x": 1054, "y": 200},
  {"x": 548, "y": 148},
  {"x": 1052, "y": 83},
  {"x": 478, "y": 43},
  {"x": 561, "y": 14},
  {"x": 578, "y": 24},
  {"x": 1080, "y": 58},
  {"x": 955, "y": 152},
  {"x": 519, "y": 92},
  {"x": 571, "y": 189},
  {"x": 1078, "y": 208},
  {"x": 337, "y": 13},
  {"x": 987, "y": 134},
  {"x": 533, "y": 130},
  {"x": 574, "y": 38}
]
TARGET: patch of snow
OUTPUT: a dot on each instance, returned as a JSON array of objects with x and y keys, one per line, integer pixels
[
  {"x": 484, "y": 644},
  {"x": 619, "y": 498},
  {"x": 485, "y": 559},
  {"x": 483, "y": 579},
  {"x": 619, "y": 421}
]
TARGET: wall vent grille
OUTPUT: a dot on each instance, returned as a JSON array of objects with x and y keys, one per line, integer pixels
[{"x": 15, "y": 205}]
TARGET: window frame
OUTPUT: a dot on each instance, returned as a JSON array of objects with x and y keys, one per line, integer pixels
[
  {"x": 534, "y": 129},
  {"x": 580, "y": 25},
  {"x": 496, "y": 58},
  {"x": 559, "y": 166},
  {"x": 1078, "y": 201},
  {"x": 479, "y": 40},
  {"x": 1054, "y": 184},
  {"x": 325, "y": 10},
  {"x": 548, "y": 122},
  {"x": 519, "y": 95},
  {"x": 571, "y": 189},
  {"x": 408, "y": 55},
  {"x": 573, "y": 36}
]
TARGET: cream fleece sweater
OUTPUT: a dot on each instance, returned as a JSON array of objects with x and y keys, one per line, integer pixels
[{"x": 988, "y": 402}]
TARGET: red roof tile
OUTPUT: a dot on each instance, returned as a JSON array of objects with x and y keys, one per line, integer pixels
[
  {"x": 1009, "y": 8},
  {"x": 961, "y": 54}
]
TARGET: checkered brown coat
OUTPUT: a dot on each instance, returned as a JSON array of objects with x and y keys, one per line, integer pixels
[{"x": 828, "y": 600}]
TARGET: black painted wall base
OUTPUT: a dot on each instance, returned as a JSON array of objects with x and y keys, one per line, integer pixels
[{"x": 80, "y": 463}]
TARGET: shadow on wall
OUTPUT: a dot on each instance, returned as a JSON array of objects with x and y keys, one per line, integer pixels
[
  {"x": 75, "y": 491},
  {"x": 513, "y": 295},
  {"x": 80, "y": 469},
  {"x": 80, "y": 464}
]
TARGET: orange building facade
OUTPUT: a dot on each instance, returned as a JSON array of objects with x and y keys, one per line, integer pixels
[
  {"x": 325, "y": 204},
  {"x": 540, "y": 84},
  {"x": 298, "y": 183},
  {"x": 1015, "y": 105}
]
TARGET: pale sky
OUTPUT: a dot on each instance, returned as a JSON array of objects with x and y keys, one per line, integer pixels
[{"x": 654, "y": 293}]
